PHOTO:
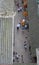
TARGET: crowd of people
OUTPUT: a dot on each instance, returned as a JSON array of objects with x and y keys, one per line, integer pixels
[{"x": 23, "y": 23}]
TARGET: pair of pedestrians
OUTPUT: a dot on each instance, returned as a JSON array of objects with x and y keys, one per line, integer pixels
[{"x": 19, "y": 58}]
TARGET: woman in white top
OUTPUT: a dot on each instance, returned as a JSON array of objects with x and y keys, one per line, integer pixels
[{"x": 18, "y": 26}]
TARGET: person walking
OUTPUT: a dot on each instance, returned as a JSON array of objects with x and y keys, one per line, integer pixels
[
  {"x": 17, "y": 57},
  {"x": 18, "y": 26},
  {"x": 22, "y": 59}
]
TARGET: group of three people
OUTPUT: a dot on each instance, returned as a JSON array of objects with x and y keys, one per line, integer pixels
[{"x": 23, "y": 24}]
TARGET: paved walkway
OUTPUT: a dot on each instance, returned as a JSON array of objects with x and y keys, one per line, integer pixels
[{"x": 19, "y": 41}]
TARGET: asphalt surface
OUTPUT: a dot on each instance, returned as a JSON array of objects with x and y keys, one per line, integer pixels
[{"x": 20, "y": 37}]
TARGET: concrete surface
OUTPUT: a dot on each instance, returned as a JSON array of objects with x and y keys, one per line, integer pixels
[{"x": 19, "y": 40}]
